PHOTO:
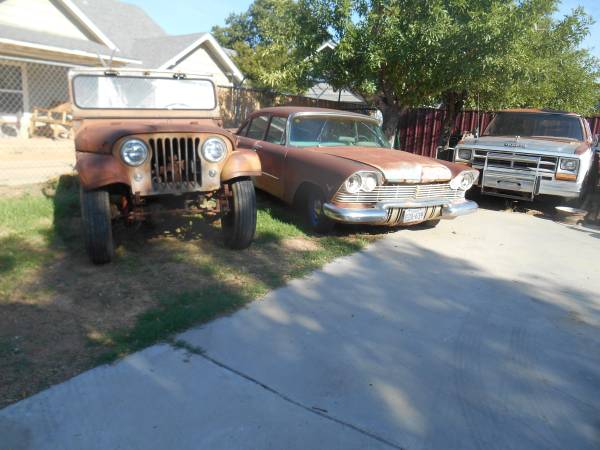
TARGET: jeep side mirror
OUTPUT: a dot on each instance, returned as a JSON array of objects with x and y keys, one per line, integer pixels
[{"x": 596, "y": 140}]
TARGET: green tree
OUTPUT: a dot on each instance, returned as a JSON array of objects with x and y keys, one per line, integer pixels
[
  {"x": 410, "y": 53},
  {"x": 263, "y": 38}
]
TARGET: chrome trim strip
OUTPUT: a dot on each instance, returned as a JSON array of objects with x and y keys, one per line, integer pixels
[{"x": 380, "y": 213}]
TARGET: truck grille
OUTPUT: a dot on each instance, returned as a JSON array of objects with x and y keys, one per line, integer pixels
[
  {"x": 515, "y": 161},
  {"x": 403, "y": 192},
  {"x": 175, "y": 163}
]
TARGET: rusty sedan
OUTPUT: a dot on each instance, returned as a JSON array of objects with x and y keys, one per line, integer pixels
[{"x": 338, "y": 167}]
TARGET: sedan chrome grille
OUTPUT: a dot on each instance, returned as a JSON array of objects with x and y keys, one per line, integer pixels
[
  {"x": 175, "y": 163},
  {"x": 402, "y": 192}
]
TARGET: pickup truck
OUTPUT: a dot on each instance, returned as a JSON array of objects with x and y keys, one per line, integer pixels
[{"x": 525, "y": 153}]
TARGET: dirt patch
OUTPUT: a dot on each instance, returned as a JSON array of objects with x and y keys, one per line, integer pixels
[{"x": 300, "y": 244}]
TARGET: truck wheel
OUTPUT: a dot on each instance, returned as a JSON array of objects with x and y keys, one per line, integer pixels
[
  {"x": 313, "y": 211},
  {"x": 239, "y": 224},
  {"x": 97, "y": 227}
]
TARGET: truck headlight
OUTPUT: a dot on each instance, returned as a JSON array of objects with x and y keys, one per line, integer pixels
[
  {"x": 463, "y": 180},
  {"x": 465, "y": 154},
  {"x": 214, "y": 149},
  {"x": 134, "y": 152},
  {"x": 568, "y": 164}
]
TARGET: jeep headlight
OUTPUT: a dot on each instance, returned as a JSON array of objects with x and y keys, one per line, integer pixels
[
  {"x": 569, "y": 164},
  {"x": 134, "y": 152},
  {"x": 463, "y": 180},
  {"x": 465, "y": 154},
  {"x": 214, "y": 149}
]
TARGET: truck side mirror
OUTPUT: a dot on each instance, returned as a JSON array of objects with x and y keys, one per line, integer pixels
[{"x": 596, "y": 140}]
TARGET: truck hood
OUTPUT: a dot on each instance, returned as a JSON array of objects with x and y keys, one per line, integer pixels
[
  {"x": 554, "y": 146},
  {"x": 397, "y": 165}
]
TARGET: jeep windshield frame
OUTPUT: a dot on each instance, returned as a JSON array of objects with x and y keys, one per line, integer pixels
[
  {"x": 136, "y": 92},
  {"x": 536, "y": 125}
]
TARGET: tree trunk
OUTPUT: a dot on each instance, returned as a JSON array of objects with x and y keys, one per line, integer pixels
[
  {"x": 453, "y": 103},
  {"x": 391, "y": 117}
]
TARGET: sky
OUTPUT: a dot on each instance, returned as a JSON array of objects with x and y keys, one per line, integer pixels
[{"x": 194, "y": 16}]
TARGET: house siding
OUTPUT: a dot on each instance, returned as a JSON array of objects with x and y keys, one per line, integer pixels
[
  {"x": 200, "y": 61},
  {"x": 47, "y": 17}
]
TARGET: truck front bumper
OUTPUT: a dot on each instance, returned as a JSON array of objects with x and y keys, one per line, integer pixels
[{"x": 381, "y": 212}]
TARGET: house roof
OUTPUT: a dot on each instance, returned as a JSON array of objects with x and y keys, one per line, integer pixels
[
  {"x": 324, "y": 91},
  {"x": 155, "y": 51},
  {"x": 123, "y": 23},
  {"x": 126, "y": 29},
  {"x": 19, "y": 37}
]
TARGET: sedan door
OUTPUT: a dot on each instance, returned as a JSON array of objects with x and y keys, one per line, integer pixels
[{"x": 271, "y": 152}]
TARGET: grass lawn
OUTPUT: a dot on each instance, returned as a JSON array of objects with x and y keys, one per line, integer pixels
[{"x": 60, "y": 315}]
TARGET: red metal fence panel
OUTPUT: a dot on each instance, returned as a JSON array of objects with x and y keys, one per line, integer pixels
[{"x": 420, "y": 129}]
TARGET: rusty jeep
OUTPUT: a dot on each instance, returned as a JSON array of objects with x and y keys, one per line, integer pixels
[{"x": 151, "y": 142}]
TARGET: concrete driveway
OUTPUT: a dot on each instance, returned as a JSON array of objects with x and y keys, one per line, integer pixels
[{"x": 483, "y": 333}]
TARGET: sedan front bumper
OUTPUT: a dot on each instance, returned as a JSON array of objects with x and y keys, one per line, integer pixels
[{"x": 381, "y": 213}]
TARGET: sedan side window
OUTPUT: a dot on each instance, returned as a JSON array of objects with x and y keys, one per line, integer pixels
[
  {"x": 258, "y": 127},
  {"x": 276, "y": 132}
]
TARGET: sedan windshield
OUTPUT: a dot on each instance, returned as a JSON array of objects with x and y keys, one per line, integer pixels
[
  {"x": 136, "y": 92},
  {"x": 332, "y": 131},
  {"x": 535, "y": 125}
]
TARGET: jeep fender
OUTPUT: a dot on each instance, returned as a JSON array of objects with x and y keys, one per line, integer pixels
[
  {"x": 241, "y": 163},
  {"x": 98, "y": 170}
]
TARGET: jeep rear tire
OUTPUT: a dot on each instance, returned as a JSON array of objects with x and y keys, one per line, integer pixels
[
  {"x": 239, "y": 223},
  {"x": 97, "y": 226}
]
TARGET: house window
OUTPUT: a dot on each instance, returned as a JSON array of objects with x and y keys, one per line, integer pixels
[{"x": 11, "y": 89}]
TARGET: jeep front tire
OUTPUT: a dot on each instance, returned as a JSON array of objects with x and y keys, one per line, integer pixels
[
  {"x": 97, "y": 226},
  {"x": 239, "y": 223}
]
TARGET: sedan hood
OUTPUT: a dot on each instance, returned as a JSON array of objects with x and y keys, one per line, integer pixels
[
  {"x": 397, "y": 165},
  {"x": 566, "y": 147}
]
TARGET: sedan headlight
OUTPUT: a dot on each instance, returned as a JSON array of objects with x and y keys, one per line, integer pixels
[
  {"x": 361, "y": 181},
  {"x": 570, "y": 165},
  {"x": 463, "y": 180},
  {"x": 214, "y": 149},
  {"x": 465, "y": 154},
  {"x": 134, "y": 152},
  {"x": 353, "y": 183}
]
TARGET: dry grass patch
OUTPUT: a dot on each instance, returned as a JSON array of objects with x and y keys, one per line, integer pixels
[{"x": 60, "y": 315}]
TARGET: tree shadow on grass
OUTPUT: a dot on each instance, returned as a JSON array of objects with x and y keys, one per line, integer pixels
[{"x": 163, "y": 279}]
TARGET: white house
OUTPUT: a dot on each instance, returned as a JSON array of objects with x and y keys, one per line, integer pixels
[{"x": 41, "y": 39}]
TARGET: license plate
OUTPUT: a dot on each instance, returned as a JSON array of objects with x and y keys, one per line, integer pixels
[{"x": 414, "y": 215}]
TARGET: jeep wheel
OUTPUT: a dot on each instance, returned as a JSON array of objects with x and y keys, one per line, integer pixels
[
  {"x": 314, "y": 216},
  {"x": 97, "y": 227},
  {"x": 239, "y": 224}
]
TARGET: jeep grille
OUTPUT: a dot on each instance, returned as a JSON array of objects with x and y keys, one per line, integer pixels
[{"x": 175, "y": 163}]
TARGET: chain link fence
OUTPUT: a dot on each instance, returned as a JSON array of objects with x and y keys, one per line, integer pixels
[{"x": 36, "y": 139}]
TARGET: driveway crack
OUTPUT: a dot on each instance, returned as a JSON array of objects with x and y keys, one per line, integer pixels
[{"x": 312, "y": 410}]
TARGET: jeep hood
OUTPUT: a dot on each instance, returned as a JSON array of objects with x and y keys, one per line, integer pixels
[
  {"x": 397, "y": 165},
  {"x": 548, "y": 145},
  {"x": 99, "y": 135}
]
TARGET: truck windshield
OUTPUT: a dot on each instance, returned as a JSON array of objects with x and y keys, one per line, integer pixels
[
  {"x": 332, "y": 131},
  {"x": 535, "y": 125},
  {"x": 130, "y": 92}
]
